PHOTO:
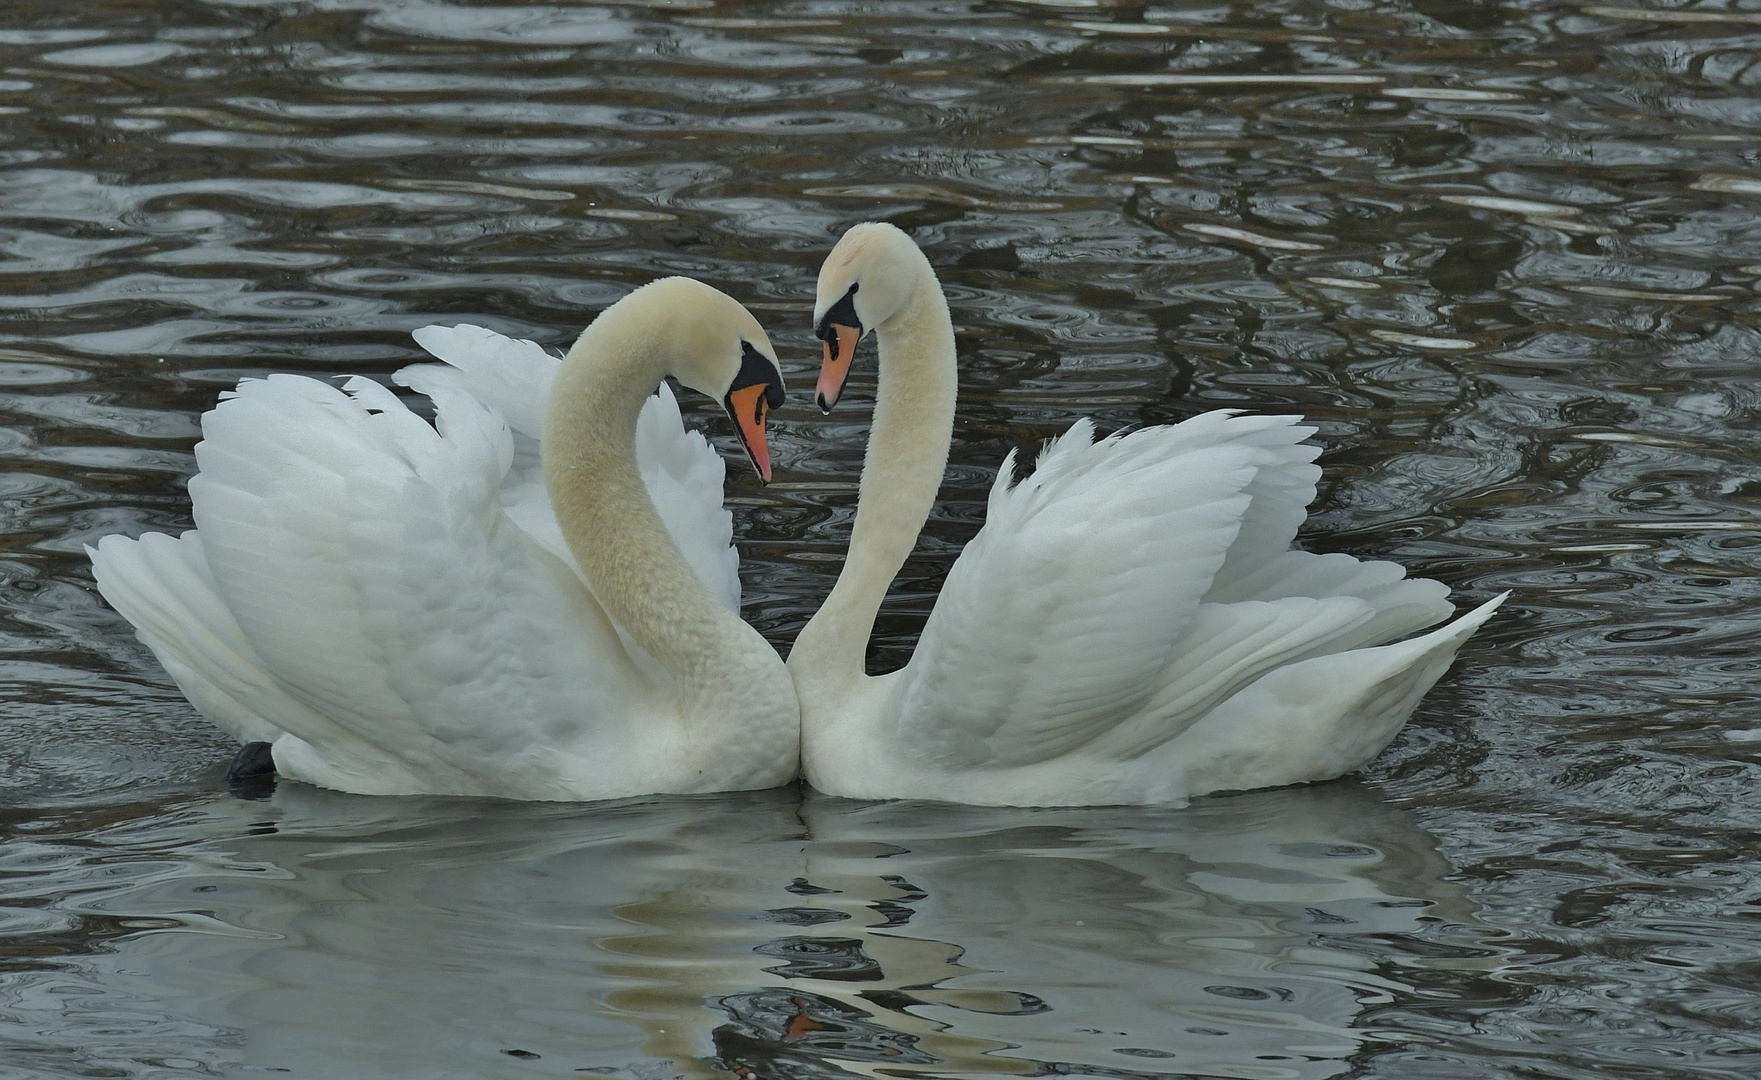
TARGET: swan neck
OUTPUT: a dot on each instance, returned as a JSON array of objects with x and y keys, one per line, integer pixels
[
  {"x": 901, "y": 474},
  {"x": 636, "y": 570}
]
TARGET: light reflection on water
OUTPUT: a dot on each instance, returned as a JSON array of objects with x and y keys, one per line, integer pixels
[
  {"x": 776, "y": 932},
  {"x": 1505, "y": 256}
]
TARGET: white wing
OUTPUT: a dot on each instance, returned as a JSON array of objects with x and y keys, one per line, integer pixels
[
  {"x": 683, "y": 473},
  {"x": 393, "y": 603},
  {"x": 363, "y": 555},
  {"x": 1262, "y": 565},
  {"x": 1270, "y": 605},
  {"x": 161, "y": 584},
  {"x": 1057, "y": 618},
  {"x": 1128, "y": 586},
  {"x": 1315, "y": 719}
]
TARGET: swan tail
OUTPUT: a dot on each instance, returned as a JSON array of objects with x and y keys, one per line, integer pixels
[
  {"x": 1316, "y": 719},
  {"x": 1226, "y": 648},
  {"x": 163, "y": 586}
]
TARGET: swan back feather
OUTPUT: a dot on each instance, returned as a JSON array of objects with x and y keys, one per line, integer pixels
[
  {"x": 391, "y": 602},
  {"x": 357, "y": 549},
  {"x": 1049, "y": 627},
  {"x": 682, "y": 472},
  {"x": 1125, "y": 593}
]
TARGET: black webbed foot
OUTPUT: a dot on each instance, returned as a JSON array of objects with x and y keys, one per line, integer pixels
[{"x": 252, "y": 772}]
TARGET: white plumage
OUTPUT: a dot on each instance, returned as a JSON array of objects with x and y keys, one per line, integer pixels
[
  {"x": 684, "y": 476},
  {"x": 394, "y": 604},
  {"x": 1131, "y": 624}
]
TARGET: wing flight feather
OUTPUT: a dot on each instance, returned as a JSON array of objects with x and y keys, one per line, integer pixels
[{"x": 1057, "y": 618}]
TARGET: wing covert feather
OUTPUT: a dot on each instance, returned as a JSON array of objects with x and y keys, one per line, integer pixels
[
  {"x": 162, "y": 586},
  {"x": 1128, "y": 586},
  {"x": 1056, "y": 620},
  {"x": 683, "y": 473},
  {"x": 361, "y": 552}
]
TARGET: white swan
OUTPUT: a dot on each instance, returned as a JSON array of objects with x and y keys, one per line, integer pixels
[
  {"x": 1131, "y": 624},
  {"x": 396, "y": 607}
]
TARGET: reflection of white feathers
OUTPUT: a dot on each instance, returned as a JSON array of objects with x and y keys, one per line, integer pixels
[
  {"x": 1208, "y": 936},
  {"x": 393, "y": 603},
  {"x": 416, "y": 938}
]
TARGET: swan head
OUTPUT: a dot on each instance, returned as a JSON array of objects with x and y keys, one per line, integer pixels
[
  {"x": 868, "y": 278},
  {"x": 712, "y": 344}
]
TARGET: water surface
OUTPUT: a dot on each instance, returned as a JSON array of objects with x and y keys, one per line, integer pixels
[{"x": 1504, "y": 255}]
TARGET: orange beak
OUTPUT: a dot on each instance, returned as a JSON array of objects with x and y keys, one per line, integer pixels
[
  {"x": 749, "y": 407},
  {"x": 836, "y": 367}
]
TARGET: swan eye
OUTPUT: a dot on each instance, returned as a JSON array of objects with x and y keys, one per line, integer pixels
[{"x": 842, "y": 313}]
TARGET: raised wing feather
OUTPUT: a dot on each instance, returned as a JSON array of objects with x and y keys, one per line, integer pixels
[
  {"x": 1262, "y": 566},
  {"x": 1282, "y": 487},
  {"x": 1129, "y": 586},
  {"x": 1057, "y": 620},
  {"x": 162, "y": 586},
  {"x": 683, "y": 473},
  {"x": 363, "y": 555},
  {"x": 1227, "y": 647},
  {"x": 1401, "y": 604},
  {"x": 685, "y": 476},
  {"x": 509, "y": 375}
]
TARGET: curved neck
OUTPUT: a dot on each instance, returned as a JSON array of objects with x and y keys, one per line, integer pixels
[
  {"x": 638, "y": 574},
  {"x": 907, "y": 454}
]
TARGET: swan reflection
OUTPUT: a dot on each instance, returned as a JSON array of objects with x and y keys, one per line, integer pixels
[{"x": 785, "y": 933}]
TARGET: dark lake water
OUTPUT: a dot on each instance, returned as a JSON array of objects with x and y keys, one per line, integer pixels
[{"x": 1505, "y": 254}]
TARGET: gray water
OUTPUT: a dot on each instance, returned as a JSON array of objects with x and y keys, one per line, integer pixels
[{"x": 1504, "y": 254}]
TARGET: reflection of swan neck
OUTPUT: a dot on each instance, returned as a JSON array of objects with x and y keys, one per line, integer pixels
[
  {"x": 907, "y": 454},
  {"x": 637, "y": 572}
]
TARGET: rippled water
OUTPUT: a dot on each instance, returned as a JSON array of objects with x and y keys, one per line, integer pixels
[{"x": 1505, "y": 254}]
